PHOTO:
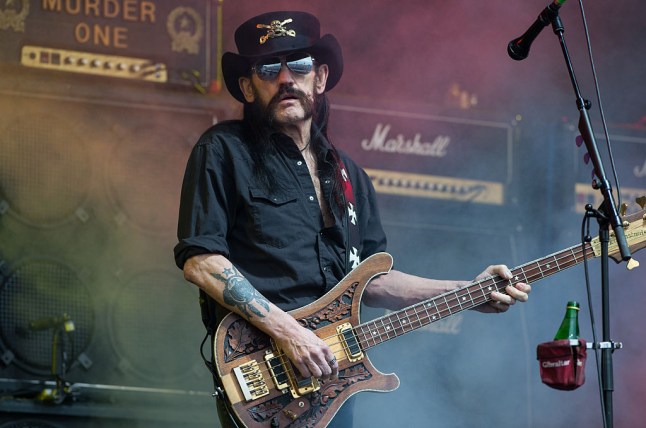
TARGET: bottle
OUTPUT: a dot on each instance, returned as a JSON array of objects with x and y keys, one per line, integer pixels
[{"x": 569, "y": 328}]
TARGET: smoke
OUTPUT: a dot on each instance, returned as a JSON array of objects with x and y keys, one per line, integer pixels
[{"x": 95, "y": 186}]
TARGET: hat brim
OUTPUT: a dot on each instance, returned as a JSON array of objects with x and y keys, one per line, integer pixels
[{"x": 326, "y": 50}]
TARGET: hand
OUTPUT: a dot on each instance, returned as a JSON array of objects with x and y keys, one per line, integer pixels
[
  {"x": 309, "y": 354},
  {"x": 502, "y": 301}
]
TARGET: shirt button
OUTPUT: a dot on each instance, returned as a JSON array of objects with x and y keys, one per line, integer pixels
[
  {"x": 326, "y": 268},
  {"x": 299, "y": 163},
  {"x": 311, "y": 198},
  {"x": 327, "y": 181}
]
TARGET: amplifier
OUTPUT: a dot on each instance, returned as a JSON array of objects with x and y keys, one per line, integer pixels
[
  {"x": 166, "y": 42},
  {"x": 420, "y": 155}
]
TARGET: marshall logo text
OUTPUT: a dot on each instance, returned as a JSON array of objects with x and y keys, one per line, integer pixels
[{"x": 381, "y": 142}]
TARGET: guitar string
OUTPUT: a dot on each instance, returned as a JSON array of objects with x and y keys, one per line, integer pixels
[
  {"x": 452, "y": 303},
  {"x": 363, "y": 337}
]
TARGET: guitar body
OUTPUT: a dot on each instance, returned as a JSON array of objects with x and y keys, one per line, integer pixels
[{"x": 255, "y": 395}]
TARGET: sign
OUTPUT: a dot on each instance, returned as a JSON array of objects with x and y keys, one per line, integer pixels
[
  {"x": 162, "y": 41},
  {"x": 421, "y": 155}
]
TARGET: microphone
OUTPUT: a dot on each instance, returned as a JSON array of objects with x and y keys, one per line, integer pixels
[
  {"x": 50, "y": 322},
  {"x": 518, "y": 48}
]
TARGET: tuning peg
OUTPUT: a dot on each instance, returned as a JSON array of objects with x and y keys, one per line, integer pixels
[
  {"x": 623, "y": 209},
  {"x": 641, "y": 201},
  {"x": 586, "y": 158}
]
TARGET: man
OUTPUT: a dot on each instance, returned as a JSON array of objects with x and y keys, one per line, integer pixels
[{"x": 269, "y": 221}]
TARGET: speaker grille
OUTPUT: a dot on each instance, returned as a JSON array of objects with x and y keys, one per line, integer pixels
[
  {"x": 45, "y": 170},
  {"x": 37, "y": 289}
]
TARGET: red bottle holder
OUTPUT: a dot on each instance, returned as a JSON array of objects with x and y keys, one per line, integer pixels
[{"x": 562, "y": 365}]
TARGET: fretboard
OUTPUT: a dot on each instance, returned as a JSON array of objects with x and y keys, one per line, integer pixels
[{"x": 443, "y": 306}]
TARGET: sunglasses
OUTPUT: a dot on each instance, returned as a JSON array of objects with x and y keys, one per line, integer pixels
[{"x": 269, "y": 68}]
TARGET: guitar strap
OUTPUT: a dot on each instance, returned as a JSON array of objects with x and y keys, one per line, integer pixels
[{"x": 353, "y": 242}]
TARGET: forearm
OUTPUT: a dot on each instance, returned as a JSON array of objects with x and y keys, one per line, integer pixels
[
  {"x": 217, "y": 276},
  {"x": 220, "y": 279},
  {"x": 396, "y": 290}
]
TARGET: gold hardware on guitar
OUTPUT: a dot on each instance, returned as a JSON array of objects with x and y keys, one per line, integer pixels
[
  {"x": 350, "y": 345},
  {"x": 641, "y": 201}
]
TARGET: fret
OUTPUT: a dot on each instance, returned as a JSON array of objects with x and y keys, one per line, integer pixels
[
  {"x": 437, "y": 315},
  {"x": 478, "y": 299},
  {"x": 447, "y": 306},
  {"x": 489, "y": 289},
  {"x": 388, "y": 329},
  {"x": 417, "y": 316},
  {"x": 361, "y": 336},
  {"x": 427, "y": 315},
  {"x": 482, "y": 290},
  {"x": 369, "y": 336},
  {"x": 401, "y": 326},
  {"x": 406, "y": 324},
  {"x": 573, "y": 255},
  {"x": 457, "y": 297},
  {"x": 558, "y": 268},
  {"x": 462, "y": 295},
  {"x": 524, "y": 275},
  {"x": 427, "y": 305},
  {"x": 538, "y": 265},
  {"x": 374, "y": 333}
]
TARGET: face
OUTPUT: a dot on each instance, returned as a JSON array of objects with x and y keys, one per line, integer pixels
[{"x": 289, "y": 97}]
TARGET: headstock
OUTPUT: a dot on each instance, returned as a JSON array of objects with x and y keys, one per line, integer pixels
[{"x": 635, "y": 230}]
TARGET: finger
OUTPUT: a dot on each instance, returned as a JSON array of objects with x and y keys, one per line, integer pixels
[
  {"x": 302, "y": 369},
  {"x": 314, "y": 369},
  {"x": 499, "y": 306},
  {"x": 325, "y": 368},
  {"x": 324, "y": 364},
  {"x": 517, "y": 293},
  {"x": 502, "y": 297},
  {"x": 334, "y": 366},
  {"x": 502, "y": 270}
]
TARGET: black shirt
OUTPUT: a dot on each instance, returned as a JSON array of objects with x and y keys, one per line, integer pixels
[{"x": 277, "y": 239}]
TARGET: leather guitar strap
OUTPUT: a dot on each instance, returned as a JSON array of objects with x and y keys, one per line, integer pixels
[{"x": 353, "y": 242}]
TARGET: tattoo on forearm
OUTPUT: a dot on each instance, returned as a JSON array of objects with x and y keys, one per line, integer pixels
[{"x": 239, "y": 293}]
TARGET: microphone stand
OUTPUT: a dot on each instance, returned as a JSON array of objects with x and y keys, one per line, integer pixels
[{"x": 606, "y": 216}]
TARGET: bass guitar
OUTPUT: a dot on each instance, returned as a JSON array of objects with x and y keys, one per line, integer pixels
[{"x": 263, "y": 389}]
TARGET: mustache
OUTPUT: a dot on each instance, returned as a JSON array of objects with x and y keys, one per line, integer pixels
[{"x": 285, "y": 90}]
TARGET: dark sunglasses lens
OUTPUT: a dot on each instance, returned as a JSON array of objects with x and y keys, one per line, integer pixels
[
  {"x": 299, "y": 63},
  {"x": 268, "y": 68}
]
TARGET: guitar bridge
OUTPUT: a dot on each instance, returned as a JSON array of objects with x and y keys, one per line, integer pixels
[{"x": 251, "y": 382}]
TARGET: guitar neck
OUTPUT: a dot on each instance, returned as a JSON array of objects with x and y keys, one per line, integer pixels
[{"x": 443, "y": 306}]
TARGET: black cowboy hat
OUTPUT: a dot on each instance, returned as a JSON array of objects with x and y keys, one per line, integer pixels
[{"x": 278, "y": 33}]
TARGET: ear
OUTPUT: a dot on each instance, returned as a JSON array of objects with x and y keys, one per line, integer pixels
[
  {"x": 321, "y": 78},
  {"x": 246, "y": 88}
]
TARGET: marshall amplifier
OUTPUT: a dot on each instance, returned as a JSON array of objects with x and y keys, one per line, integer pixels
[
  {"x": 421, "y": 162},
  {"x": 166, "y": 42}
]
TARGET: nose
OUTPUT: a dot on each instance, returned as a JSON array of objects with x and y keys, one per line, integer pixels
[{"x": 285, "y": 75}]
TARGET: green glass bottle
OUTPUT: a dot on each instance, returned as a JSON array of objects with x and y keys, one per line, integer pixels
[{"x": 569, "y": 328}]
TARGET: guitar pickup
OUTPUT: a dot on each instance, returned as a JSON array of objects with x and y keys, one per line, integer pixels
[
  {"x": 349, "y": 341},
  {"x": 285, "y": 376},
  {"x": 277, "y": 371},
  {"x": 251, "y": 382}
]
